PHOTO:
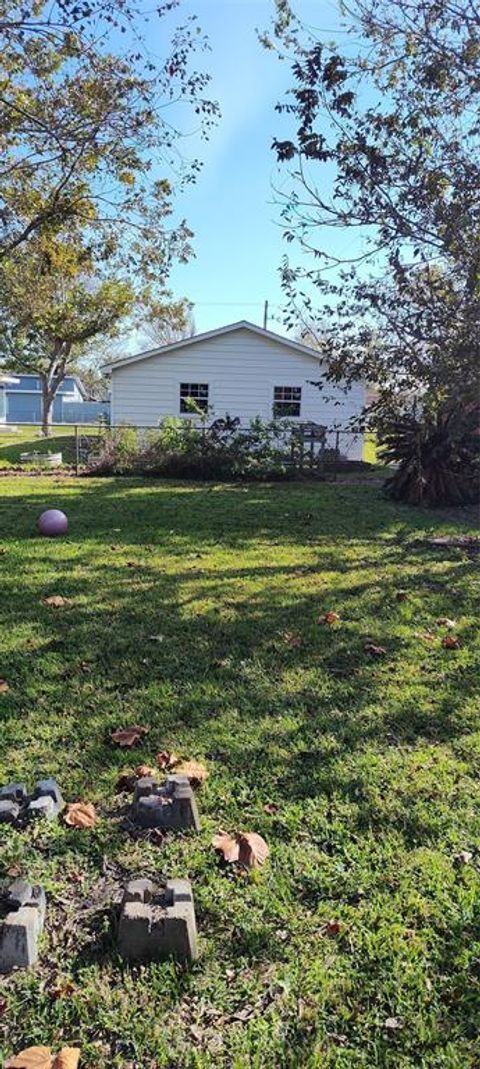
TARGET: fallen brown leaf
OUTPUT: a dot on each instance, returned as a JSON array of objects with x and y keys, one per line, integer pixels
[
  {"x": 331, "y": 617},
  {"x": 291, "y": 639},
  {"x": 56, "y": 601},
  {"x": 226, "y": 845},
  {"x": 166, "y": 759},
  {"x": 332, "y": 927},
  {"x": 145, "y": 770},
  {"x": 375, "y": 651},
  {"x": 4, "y": 686},
  {"x": 270, "y": 808},
  {"x": 445, "y": 621},
  {"x": 128, "y": 736},
  {"x": 402, "y": 595},
  {"x": 253, "y": 849},
  {"x": 193, "y": 770},
  {"x": 450, "y": 642},
  {"x": 427, "y": 636},
  {"x": 129, "y": 776},
  {"x": 67, "y": 1058},
  {"x": 31, "y": 1058},
  {"x": 80, "y": 815},
  {"x": 64, "y": 988}
]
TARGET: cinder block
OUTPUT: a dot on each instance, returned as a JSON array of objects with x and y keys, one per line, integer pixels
[
  {"x": 170, "y": 805},
  {"x": 9, "y": 812},
  {"x": 49, "y": 788},
  {"x": 46, "y": 800},
  {"x": 43, "y": 807},
  {"x": 22, "y": 916},
  {"x": 158, "y": 922},
  {"x": 16, "y": 805},
  {"x": 14, "y": 792}
]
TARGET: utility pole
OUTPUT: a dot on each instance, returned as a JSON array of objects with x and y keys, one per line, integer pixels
[{"x": 265, "y": 315}]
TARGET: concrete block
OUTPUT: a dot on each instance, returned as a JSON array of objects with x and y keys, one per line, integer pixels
[
  {"x": 50, "y": 789},
  {"x": 170, "y": 805},
  {"x": 14, "y": 792},
  {"x": 17, "y": 805},
  {"x": 22, "y": 916},
  {"x": 43, "y": 807},
  {"x": 158, "y": 922},
  {"x": 9, "y": 812}
]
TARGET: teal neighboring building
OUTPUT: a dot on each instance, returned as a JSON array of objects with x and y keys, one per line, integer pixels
[{"x": 21, "y": 401}]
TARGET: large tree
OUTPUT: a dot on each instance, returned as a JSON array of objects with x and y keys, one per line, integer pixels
[
  {"x": 89, "y": 161},
  {"x": 53, "y": 311},
  {"x": 383, "y": 142},
  {"x": 87, "y": 129}
]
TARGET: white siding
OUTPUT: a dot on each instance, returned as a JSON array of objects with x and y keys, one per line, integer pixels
[{"x": 241, "y": 369}]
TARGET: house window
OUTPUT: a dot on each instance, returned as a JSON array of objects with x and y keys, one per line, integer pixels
[
  {"x": 193, "y": 393},
  {"x": 286, "y": 401}
]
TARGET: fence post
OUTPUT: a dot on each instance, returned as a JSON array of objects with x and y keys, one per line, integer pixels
[
  {"x": 77, "y": 451},
  {"x": 337, "y": 454}
]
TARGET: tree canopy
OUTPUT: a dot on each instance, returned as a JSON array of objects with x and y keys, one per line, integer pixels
[
  {"x": 385, "y": 148},
  {"x": 88, "y": 138}
]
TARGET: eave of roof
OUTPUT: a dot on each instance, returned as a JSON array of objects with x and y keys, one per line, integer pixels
[{"x": 243, "y": 324}]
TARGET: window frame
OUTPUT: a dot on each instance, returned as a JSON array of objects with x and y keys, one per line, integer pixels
[
  {"x": 295, "y": 400},
  {"x": 202, "y": 402}
]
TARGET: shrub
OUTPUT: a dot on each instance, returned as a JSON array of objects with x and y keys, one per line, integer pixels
[
  {"x": 438, "y": 455},
  {"x": 180, "y": 449}
]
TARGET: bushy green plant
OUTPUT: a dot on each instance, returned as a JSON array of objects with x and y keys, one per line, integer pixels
[
  {"x": 116, "y": 450},
  {"x": 182, "y": 449},
  {"x": 437, "y": 453}
]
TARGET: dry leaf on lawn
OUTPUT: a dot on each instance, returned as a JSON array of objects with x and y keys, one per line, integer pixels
[
  {"x": 331, "y": 617},
  {"x": 166, "y": 759},
  {"x": 450, "y": 642},
  {"x": 291, "y": 639},
  {"x": 193, "y": 770},
  {"x": 80, "y": 815},
  {"x": 270, "y": 808},
  {"x": 446, "y": 621},
  {"x": 67, "y": 1058},
  {"x": 394, "y": 1023},
  {"x": 128, "y": 736},
  {"x": 464, "y": 857},
  {"x": 145, "y": 770},
  {"x": 31, "y": 1058},
  {"x": 226, "y": 845},
  {"x": 253, "y": 849},
  {"x": 427, "y": 636},
  {"x": 376, "y": 651},
  {"x": 332, "y": 927},
  {"x": 4, "y": 686},
  {"x": 402, "y": 595},
  {"x": 57, "y": 601}
]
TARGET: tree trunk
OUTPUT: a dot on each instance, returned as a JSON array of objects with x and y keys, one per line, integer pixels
[{"x": 48, "y": 397}]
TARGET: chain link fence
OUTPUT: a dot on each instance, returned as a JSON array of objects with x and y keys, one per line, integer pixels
[{"x": 223, "y": 449}]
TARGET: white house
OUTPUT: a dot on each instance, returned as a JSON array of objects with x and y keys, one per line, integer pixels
[{"x": 240, "y": 369}]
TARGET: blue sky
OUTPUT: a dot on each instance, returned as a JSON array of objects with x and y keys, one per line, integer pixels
[{"x": 238, "y": 238}]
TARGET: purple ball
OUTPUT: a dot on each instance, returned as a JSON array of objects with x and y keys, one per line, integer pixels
[{"x": 52, "y": 523}]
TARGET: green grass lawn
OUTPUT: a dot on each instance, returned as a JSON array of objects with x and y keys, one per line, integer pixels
[
  {"x": 373, "y": 763},
  {"x": 30, "y": 439}
]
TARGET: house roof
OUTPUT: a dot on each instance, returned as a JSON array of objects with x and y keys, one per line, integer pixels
[
  {"x": 7, "y": 380},
  {"x": 243, "y": 324}
]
